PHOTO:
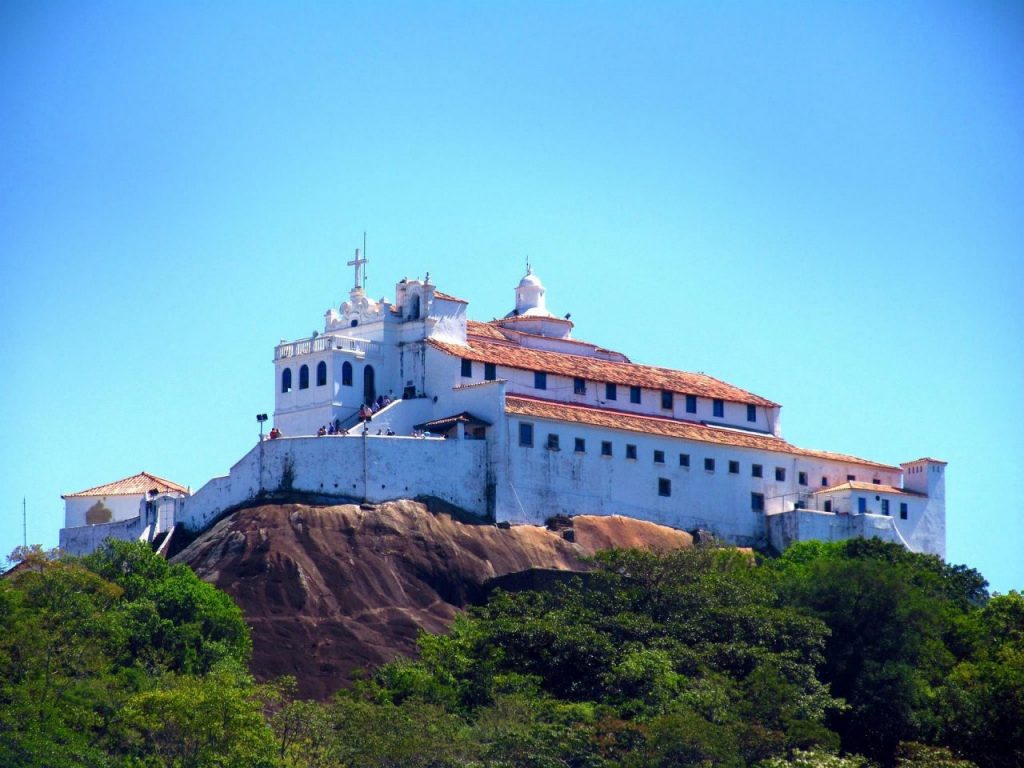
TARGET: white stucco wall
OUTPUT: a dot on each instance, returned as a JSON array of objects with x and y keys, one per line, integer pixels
[
  {"x": 374, "y": 468},
  {"x": 85, "y": 539},
  {"x": 122, "y": 507}
]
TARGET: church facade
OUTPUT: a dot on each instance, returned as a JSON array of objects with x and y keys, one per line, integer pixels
[{"x": 516, "y": 420}]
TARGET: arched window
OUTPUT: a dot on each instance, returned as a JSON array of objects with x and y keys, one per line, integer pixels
[
  {"x": 321, "y": 373},
  {"x": 414, "y": 308},
  {"x": 346, "y": 374},
  {"x": 369, "y": 389},
  {"x": 286, "y": 380},
  {"x": 304, "y": 377}
]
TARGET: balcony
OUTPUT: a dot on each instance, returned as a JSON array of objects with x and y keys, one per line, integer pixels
[{"x": 357, "y": 347}]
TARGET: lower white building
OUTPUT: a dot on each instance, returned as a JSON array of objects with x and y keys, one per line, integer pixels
[
  {"x": 140, "y": 507},
  {"x": 517, "y": 421}
]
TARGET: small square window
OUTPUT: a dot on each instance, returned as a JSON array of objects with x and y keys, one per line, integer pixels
[
  {"x": 850, "y": 478},
  {"x": 611, "y": 392},
  {"x": 734, "y": 467},
  {"x": 553, "y": 442},
  {"x": 490, "y": 371},
  {"x": 691, "y": 403},
  {"x": 630, "y": 451},
  {"x": 634, "y": 394},
  {"x": 885, "y": 507},
  {"x": 684, "y": 460},
  {"x": 526, "y": 435},
  {"x": 718, "y": 409},
  {"x": 581, "y": 445},
  {"x": 666, "y": 400},
  {"x": 664, "y": 486},
  {"x": 540, "y": 380},
  {"x": 903, "y": 510},
  {"x": 876, "y": 481},
  {"x": 756, "y": 470},
  {"x": 801, "y": 478},
  {"x": 757, "y": 502},
  {"x": 467, "y": 369},
  {"x": 780, "y": 474},
  {"x": 824, "y": 482},
  {"x": 659, "y": 457},
  {"x": 606, "y": 448},
  {"x": 709, "y": 465},
  {"x": 579, "y": 386},
  {"x": 751, "y": 413}
]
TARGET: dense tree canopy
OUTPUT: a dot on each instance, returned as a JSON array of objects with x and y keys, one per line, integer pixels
[{"x": 844, "y": 655}]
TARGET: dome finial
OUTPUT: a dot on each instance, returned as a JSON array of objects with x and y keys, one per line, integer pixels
[{"x": 529, "y": 271}]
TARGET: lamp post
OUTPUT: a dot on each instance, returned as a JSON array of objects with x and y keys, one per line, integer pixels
[{"x": 261, "y": 418}]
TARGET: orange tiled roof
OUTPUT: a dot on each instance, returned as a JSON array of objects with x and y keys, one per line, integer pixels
[
  {"x": 594, "y": 369},
  {"x": 476, "y": 328},
  {"x": 129, "y": 486},
  {"x": 934, "y": 461},
  {"x": 859, "y": 485},
  {"x": 448, "y": 297},
  {"x": 654, "y": 425}
]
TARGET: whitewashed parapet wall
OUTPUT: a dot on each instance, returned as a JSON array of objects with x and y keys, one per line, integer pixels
[{"x": 372, "y": 468}]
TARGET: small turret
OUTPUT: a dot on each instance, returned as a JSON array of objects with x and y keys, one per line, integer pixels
[{"x": 530, "y": 296}]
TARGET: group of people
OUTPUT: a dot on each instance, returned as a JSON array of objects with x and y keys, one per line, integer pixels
[
  {"x": 334, "y": 428},
  {"x": 366, "y": 411}
]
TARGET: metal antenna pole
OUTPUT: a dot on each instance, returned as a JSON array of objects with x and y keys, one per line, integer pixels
[{"x": 24, "y": 524}]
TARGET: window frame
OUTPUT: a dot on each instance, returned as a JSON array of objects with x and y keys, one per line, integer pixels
[
  {"x": 756, "y": 501},
  {"x": 467, "y": 368},
  {"x": 801, "y": 478},
  {"x": 611, "y": 392},
  {"x": 606, "y": 448},
  {"x": 659, "y": 456},
  {"x": 580, "y": 445},
  {"x": 304, "y": 376},
  {"x": 664, "y": 487},
  {"x": 579, "y": 386},
  {"x": 757, "y": 470},
  {"x": 631, "y": 451},
  {"x": 346, "y": 374},
  {"x": 691, "y": 403},
  {"x": 709, "y": 464},
  {"x": 635, "y": 395},
  {"x": 718, "y": 408},
  {"x": 540, "y": 380},
  {"x": 553, "y": 443},
  {"x": 734, "y": 467},
  {"x": 526, "y": 434},
  {"x": 667, "y": 400},
  {"x": 751, "y": 412},
  {"x": 684, "y": 460},
  {"x": 286, "y": 380},
  {"x": 321, "y": 374},
  {"x": 490, "y": 371},
  {"x": 780, "y": 474}
]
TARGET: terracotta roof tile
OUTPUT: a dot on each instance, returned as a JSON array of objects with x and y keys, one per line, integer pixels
[
  {"x": 594, "y": 369},
  {"x": 858, "y": 485},
  {"x": 476, "y": 328},
  {"x": 612, "y": 419},
  {"x": 128, "y": 486},
  {"x": 447, "y": 297},
  {"x": 916, "y": 461}
]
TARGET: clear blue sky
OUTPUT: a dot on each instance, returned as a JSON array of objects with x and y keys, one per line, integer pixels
[{"x": 819, "y": 202}]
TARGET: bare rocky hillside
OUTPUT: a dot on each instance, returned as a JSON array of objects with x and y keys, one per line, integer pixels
[{"x": 328, "y": 589}]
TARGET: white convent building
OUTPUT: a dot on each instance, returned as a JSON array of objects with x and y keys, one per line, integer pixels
[{"x": 517, "y": 421}]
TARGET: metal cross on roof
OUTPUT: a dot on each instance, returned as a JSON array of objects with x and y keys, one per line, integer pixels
[{"x": 358, "y": 264}]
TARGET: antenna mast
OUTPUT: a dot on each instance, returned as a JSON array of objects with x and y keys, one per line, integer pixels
[{"x": 24, "y": 524}]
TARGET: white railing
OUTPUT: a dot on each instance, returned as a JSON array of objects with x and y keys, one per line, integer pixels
[{"x": 360, "y": 347}]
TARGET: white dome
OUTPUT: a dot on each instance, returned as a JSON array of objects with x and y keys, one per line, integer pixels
[{"x": 530, "y": 279}]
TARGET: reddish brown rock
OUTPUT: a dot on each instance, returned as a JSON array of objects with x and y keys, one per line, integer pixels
[{"x": 328, "y": 589}]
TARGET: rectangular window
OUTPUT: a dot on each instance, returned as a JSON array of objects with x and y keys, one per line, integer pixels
[
  {"x": 862, "y": 505},
  {"x": 850, "y": 478},
  {"x": 684, "y": 460},
  {"x": 606, "y": 448},
  {"x": 553, "y": 442},
  {"x": 691, "y": 403},
  {"x": 780, "y": 475},
  {"x": 903, "y": 510},
  {"x": 630, "y": 451},
  {"x": 709, "y": 465},
  {"x": 828, "y": 505},
  {"x": 659, "y": 457},
  {"x": 666, "y": 400},
  {"x": 490, "y": 371},
  {"x": 757, "y": 502},
  {"x": 611, "y": 392},
  {"x": 581, "y": 445},
  {"x": 664, "y": 486},
  {"x": 751, "y": 413},
  {"x": 885, "y": 507},
  {"x": 876, "y": 481},
  {"x": 801, "y": 478},
  {"x": 467, "y": 368},
  {"x": 634, "y": 394},
  {"x": 756, "y": 470},
  {"x": 734, "y": 467},
  {"x": 718, "y": 408},
  {"x": 526, "y": 435},
  {"x": 540, "y": 380},
  {"x": 824, "y": 482},
  {"x": 579, "y": 386}
]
